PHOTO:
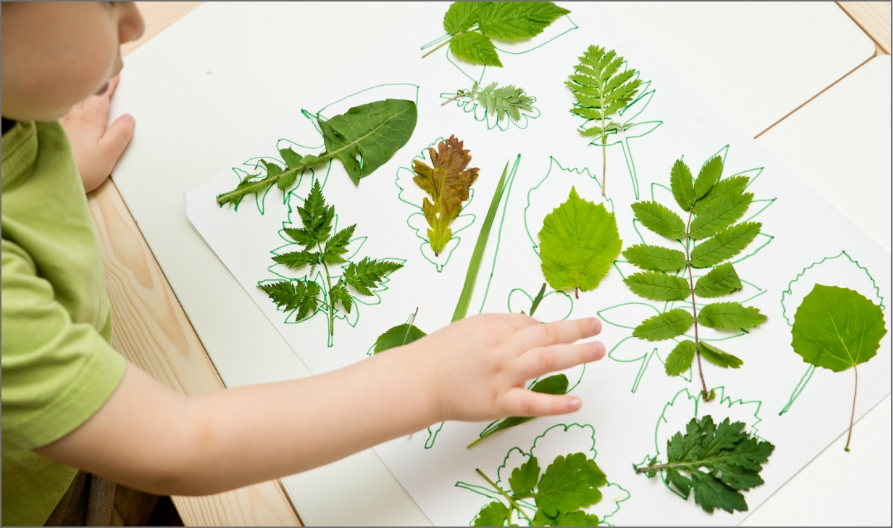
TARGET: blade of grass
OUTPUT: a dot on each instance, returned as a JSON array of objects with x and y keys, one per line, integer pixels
[{"x": 478, "y": 255}]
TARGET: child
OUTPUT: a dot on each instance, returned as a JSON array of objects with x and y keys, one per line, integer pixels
[{"x": 70, "y": 401}]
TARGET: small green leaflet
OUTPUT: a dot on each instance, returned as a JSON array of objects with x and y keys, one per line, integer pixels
[
  {"x": 716, "y": 462},
  {"x": 837, "y": 328},
  {"x": 471, "y": 25},
  {"x": 363, "y": 139},
  {"x": 578, "y": 243},
  {"x": 537, "y": 300},
  {"x": 399, "y": 335},
  {"x": 322, "y": 248},
  {"x": 568, "y": 485},
  {"x": 556, "y": 384},
  {"x": 713, "y": 206},
  {"x": 500, "y": 101}
]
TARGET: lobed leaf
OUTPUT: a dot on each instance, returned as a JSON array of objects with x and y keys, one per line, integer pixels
[
  {"x": 525, "y": 477},
  {"x": 721, "y": 280},
  {"x": 337, "y": 246},
  {"x": 658, "y": 286},
  {"x": 659, "y": 219},
  {"x": 495, "y": 513},
  {"x": 680, "y": 358},
  {"x": 664, "y": 326},
  {"x": 285, "y": 294},
  {"x": 368, "y": 274},
  {"x": 339, "y": 295},
  {"x": 725, "y": 244},
  {"x": 721, "y": 214},
  {"x": 296, "y": 260},
  {"x": 730, "y": 316},
  {"x": 568, "y": 484},
  {"x": 718, "y": 357},
  {"x": 655, "y": 258}
]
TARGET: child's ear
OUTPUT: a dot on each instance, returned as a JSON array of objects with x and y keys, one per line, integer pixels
[{"x": 130, "y": 24}]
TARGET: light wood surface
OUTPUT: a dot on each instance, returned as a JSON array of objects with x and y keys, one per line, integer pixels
[
  {"x": 873, "y": 18},
  {"x": 153, "y": 332}
]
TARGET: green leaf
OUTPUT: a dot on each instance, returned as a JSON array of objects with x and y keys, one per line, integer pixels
[
  {"x": 664, "y": 326},
  {"x": 291, "y": 158},
  {"x": 680, "y": 358},
  {"x": 517, "y": 20},
  {"x": 730, "y": 186},
  {"x": 716, "y": 462},
  {"x": 578, "y": 243},
  {"x": 475, "y": 48},
  {"x": 577, "y": 518},
  {"x": 654, "y": 258},
  {"x": 721, "y": 280},
  {"x": 337, "y": 246},
  {"x": 730, "y": 316},
  {"x": 493, "y": 514},
  {"x": 296, "y": 260},
  {"x": 569, "y": 484},
  {"x": 658, "y": 286},
  {"x": 339, "y": 295},
  {"x": 524, "y": 478},
  {"x": 285, "y": 294},
  {"x": 309, "y": 302},
  {"x": 537, "y": 300},
  {"x": 398, "y": 336},
  {"x": 501, "y": 100},
  {"x": 725, "y": 244},
  {"x": 368, "y": 273},
  {"x": 367, "y": 136},
  {"x": 718, "y": 357},
  {"x": 837, "y": 328},
  {"x": 681, "y": 185},
  {"x": 316, "y": 217},
  {"x": 723, "y": 213},
  {"x": 461, "y": 16},
  {"x": 708, "y": 176},
  {"x": 659, "y": 219}
]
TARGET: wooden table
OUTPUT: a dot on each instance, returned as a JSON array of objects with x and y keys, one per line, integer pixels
[{"x": 153, "y": 331}]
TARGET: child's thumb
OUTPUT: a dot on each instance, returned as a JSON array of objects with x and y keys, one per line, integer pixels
[{"x": 118, "y": 135}]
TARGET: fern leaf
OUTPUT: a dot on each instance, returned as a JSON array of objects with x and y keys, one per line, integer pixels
[{"x": 368, "y": 274}]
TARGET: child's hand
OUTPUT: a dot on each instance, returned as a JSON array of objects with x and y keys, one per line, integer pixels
[
  {"x": 477, "y": 368},
  {"x": 96, "y": 148}
]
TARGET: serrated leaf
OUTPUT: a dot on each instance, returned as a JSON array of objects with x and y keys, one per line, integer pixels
[
  {"x": 658, "y": 286},
  {"x": 721, "y": 214},
  {"x": 718, "y": 357},
  {"x": 680, "y": 358},
  {"x": 398, "y": 336},
  {"x": 448, "y": 183},
  {"x": 837, "y": 328},
  {"x": 721, "y": 280},
  {"x": 664, "y": 326},
  {"x": 309, "y": 302},
  {"x": 501, "y": 100},
  {"x": 730, "y": 316},
  {"x": 568, "y": 484},
  {"x": 578, "y": 243},
  {"x": 493, "y": 514},
  {"x": 296, "y": 260},
  {"x": 291, "y": 158},
  {"x": 659, "y": 219},
  {"x": 577, "y": 518},
  {"x": 337, "y": 246},
  {"x": 517, "y": 20},
  {"x": 461, "y": 16},
  {"x": 525, "y": 477},
  {"x": 654, "y": 258},
  {"x": 475, "y": 48},
  {"x": 285, "y": 294},
  {"x": 725, "y": 244},
  {"x": 729, "y": 186},
  {"x": 368, "y": 274},
  {"x": 708, "y": 176},
  {"x": 556, "y": 384},
  {"x": 339, "y": 295},
  {"x": 682, "y": 186}
]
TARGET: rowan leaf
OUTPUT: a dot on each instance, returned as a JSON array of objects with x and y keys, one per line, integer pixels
[
  {"x": 659, "y": 219},
  {"x": 368, "y": 274},
  {"x": 493, "y": 514},
  {"x": 681, "y": 185},
  {"x": 721, "y": 280},
  {"x": 499, "y": 100},
  {"x": 717, "y": 462},
  {"x": 725, "y": 244},
  {"x": 525, "y": 477},
  {"x": 664, "y": 326},
  {"x": 517, "y": 20},
  {"x": 448, "y": 184},
  {"x": 730, "y": 186},
  {"x": 578, "y": 243},
  {"x": 718, "y": 357},
  {"x": 654, "y": 258},
  {"x": 721, "y": 214},
  {"x": 730, "y": 316},
  {"x": 461, "y": 16},
  {"x": 568, "y": 484},
  {"x": 680, "y": 358},
  {"x": 658, "y": 286},
  {"x": 399, "y": 335},
  {"x": 475, "y": 48},
  {"x": 708, "y": 176}
]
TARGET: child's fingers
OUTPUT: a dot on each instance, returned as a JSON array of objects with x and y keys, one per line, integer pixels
[
  {"x": 521, "y": 402},
  {"x": 539, "y": 361},
  {"x": 558, "y": 332},
  {"x": 117, "y": 136},
  {"x": 113, "y": 83}
]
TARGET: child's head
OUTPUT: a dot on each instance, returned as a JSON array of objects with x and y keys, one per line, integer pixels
[{"x": 56, "y": 54}]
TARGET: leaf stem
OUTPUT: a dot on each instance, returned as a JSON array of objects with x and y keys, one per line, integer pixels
[
  {"x": 694, "y": 307},
  {"x": 442, "y": 44},
  {"x": 504, "y": 494},
  {"x": 849, "y": 436},
  {"x": 451, "y": 99},
  {"x": 537, "y": 300},
  {"x": 604, "y": 158},
  {"x": 329, "y": 282}
]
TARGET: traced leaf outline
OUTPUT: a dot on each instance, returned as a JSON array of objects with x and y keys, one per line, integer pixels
[{"x": 481, "y": 115}]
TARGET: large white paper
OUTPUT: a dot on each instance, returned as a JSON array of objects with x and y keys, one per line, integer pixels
[{"x": 630, "y": 406}]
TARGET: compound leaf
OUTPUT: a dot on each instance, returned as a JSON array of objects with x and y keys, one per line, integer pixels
[
  {"x": 655, "y": 258},
  {"x": 337, "y": 246},
  {"x": 461, "y": 16},
  {"x": 725, "y": 244},
  {"x": 730, "y": 316},
  {"x": 659, "y": 219},
  {"x": 339, "y": 295},
  {"x": 665, "y": 325},
  {"x": 658, "y": 286},
  {"x": 296, "y": 260},
  {"x": 285, "y": 294},
  {"x": 475, "y": 48},
  {"x": 680, "y": 358},
  {"x": 721, "y": 214},
  {"x": 601, "y": 91},
  {"x": 569, "y": 484},
  {"x": 721, "y": 280},
  {"x": 718, "y": 357},
  {"x": 493, "y": 514},
  {"x": 368, "y": 273},
  {"x": 729, "y": 186},
  {"x": 525, "y": 477},
  {"x": 517, "y": 20}
]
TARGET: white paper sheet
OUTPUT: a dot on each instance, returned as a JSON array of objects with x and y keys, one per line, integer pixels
[{"x": 630, "y": 406}]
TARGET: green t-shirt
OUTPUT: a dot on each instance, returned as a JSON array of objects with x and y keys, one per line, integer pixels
[{"x": 58, "y": 364}]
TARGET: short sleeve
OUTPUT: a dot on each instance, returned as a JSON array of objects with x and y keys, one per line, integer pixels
[{"x": 56, "y": 373}]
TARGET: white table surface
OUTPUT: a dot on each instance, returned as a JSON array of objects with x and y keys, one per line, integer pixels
[{"x": 202, "y": 90}]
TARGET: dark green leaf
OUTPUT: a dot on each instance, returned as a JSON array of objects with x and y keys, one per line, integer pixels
[
  {"x": 493, "y": 514},
  {"x": 721, "y": 280},
  {"x": 718, "y": 357},
  {"x": 730, "y": 316},
  {"x": 708, "y": 176},
  {"x": 680, "y": 358},
  {"x": 524, "y": 478},
  {"x": 461, "y": 16},
  {"x": 537, "y": 300},
  {"x": 337, "y": 245},
  {"x": 664, "y": 326},
  {"x": 291, "y": 158},
  {"x": 658, "y": 286},
  {"x": 517, "y": 20},
  {"x": 569, "y": 484},
  {"x": 297, "y": 259},
  {"x": 721, "y": 214},
  {"x": 398, "y": 336},
  {"x": 475, "y": 48},
  {"x": 368, "y": 274},
  {"x": 725, "y": 244},
  {"x": 655, "y": 258},
  {"x": 285, "y": 294},
  {"x": 681, "y": 185},
  {"x": 659, "y": 219},
  {"x": 340, "y": 295},
  {"x": 309, "y": 302}
]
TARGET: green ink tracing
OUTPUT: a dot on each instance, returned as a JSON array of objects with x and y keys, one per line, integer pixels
[
  {"x": 840, "y": 270},
  {"x": 628, "y": 315},
  {"x": 557, "y": 440},
  {"x": 491, "y": 116}
]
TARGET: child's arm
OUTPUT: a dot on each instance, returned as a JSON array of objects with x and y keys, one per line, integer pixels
[
  {"x": 151, "y": 438},
  {"x": 96, "y": 148}
]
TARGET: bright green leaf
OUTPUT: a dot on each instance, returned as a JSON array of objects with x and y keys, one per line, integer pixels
[
  {"x": 665, "y": 325},
  {"x": 569, "y": 484},
  {"x": 291, "y": 158},
  {"x": 721, "y": 214},
  {"x": 654, "y": 258},
  {"x": 658, "y": 286},
  {"x": 525, "y": 477},
  {"x": 730, "y": 316},
  {"x": 493, "y": 514},
  {"x": 681, "y": 185},
  {"x": 729, "y": 186},
  {"x": 577, "y": 518},
  {"x": 475, "y": 48},
  {"x": 718, "y": 357},
  {"x": 721, "y": 280},
  {"x": 659, "y": 219},
  {"x": 461, "y": 16},
  {"x": 398, "y": 336},
  {"x": 725, "y": 244},
  {"x": 517, "y": 20},
  {"x": 680, "y": 358},
  {"x": 708, "y": 176}
]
